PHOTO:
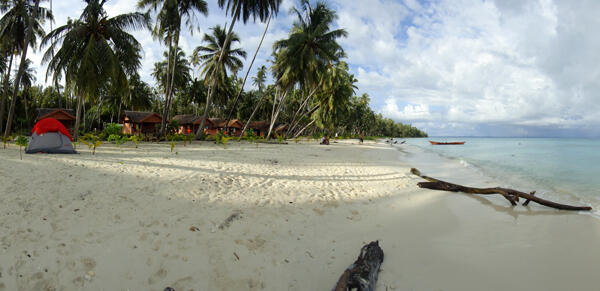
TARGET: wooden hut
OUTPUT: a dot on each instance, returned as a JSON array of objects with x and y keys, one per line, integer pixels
[
  {"x": 188, "y": 123},
  {"x": 136, "y": 122},
  {"x": 214, "y": 125},
  {"x": 65, "y": 116},
  {"x": 235, "y": 127},
  {"x": 260, "y": 128}
]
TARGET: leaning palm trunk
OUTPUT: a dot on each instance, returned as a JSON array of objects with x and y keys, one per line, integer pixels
[
  {"x": 215, "y": 74},
  {"x": 276, "y": 114},
  {"x": 308, "y": 113},
  {"x": 252, "y": 115},
  {"x": 5, "y": 93},
  {"x": 11, "y": 112},
  {"x": 304, "y": 128},
  {"x": 246, "y": 77},
  {"x": 294, "y": 122}
]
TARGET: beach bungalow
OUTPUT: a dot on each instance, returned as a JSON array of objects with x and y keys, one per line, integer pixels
[
  {"x": 260, "y": 128},
  {"x": 235, "y": 127},
  {"x": 214, "y": 125},
  {"x": 136, "y": 122},
  {"x": 188, "y": 123},
  {"x": 65, "y": 116}
]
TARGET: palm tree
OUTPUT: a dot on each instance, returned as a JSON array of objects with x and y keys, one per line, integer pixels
[
  {"x": 5, "y": 51},
  {"x": 309, "y": 51},
  {"x": 260, "y": 79},
  {"x": 167, "y": 28},
  {"x": 27, "y": 80},
  {"x": 182, "y": 71},
  {"x": 22, "y": 23},
  {"x": 95, "y": 51},
  {"x": 238, "y": 9},
  {"x": 207, "y": 56}
]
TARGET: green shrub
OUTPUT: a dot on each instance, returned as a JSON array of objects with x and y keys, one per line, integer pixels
[
  {"x": 113, "y": 138},
  {"x": 112, "y": 129},
  {"x": 176, "y": 137},
  {"x": 280, "y": 138}
]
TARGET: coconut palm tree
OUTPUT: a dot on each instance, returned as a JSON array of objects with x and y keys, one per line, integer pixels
[
  {"x": 22, "y": 23},
  {"x": 238, "y": 9},
  {"x": 169, "y": 14},
  {"x": 207, "y": 55},
  {"x": 311, "y": 48},
  {"x": 182, "y": 71},
  {"x": 27, "y": 80},
  {"x": 94, "y": 51},
  {"x": 260, "y": 79}
]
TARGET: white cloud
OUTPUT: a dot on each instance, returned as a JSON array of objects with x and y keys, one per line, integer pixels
[{"x": 410, "y": 112}]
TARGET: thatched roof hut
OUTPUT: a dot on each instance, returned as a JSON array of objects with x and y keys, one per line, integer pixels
[{"x": 135, "y": 122}]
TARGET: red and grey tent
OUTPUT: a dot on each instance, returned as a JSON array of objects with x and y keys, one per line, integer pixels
[{"x": 50, "y": 136}]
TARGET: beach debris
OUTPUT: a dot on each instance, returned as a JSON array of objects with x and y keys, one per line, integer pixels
[
  {"x": 362, "y": 274},
  {"x": 169, "y": 289},
  {"x": 193, "y": 228},
  {"x": 511, "y": 195},
  {"x": 233, "y": 217},
  {"x": 236, "y": 256}
]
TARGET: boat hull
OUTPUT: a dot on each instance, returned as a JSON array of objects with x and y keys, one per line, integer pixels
[{"x": 447, "y": 143}]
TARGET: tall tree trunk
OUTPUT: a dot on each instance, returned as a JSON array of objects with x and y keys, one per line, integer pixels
[
  {"x": 25, "y": 105},
  {"x": 172, "y": 84},
  {"x": 247, "y": 72},
  {"x": 5, "y": 92},
  {"x": 77, "y": 117},
  {"x": 163, "y": 123},
  {"x": 215, "y": 74},
  {"x": 99, "y": 111},
  {"x": 276, "y": 114},
  {"x": 21, "y": 69},
  {"x": 304, "y": 103}
]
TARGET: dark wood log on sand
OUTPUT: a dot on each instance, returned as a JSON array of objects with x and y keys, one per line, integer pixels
[
  {"x": 511, "y": 195},
  {"x": 362, "y": 274}
]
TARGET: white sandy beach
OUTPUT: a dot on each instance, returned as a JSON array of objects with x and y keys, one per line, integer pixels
[{"x": 146, "y": 218}]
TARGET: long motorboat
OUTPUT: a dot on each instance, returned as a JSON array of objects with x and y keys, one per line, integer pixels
[{"x": 446, "y": 143}]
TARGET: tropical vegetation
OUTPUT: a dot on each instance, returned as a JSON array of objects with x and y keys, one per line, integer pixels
[{"x": 93, "y": 66}]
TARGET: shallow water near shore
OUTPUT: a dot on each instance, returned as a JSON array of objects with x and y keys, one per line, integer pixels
[{"x": 560, "y": 169}]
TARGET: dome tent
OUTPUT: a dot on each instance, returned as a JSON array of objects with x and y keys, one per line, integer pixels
[{"x": 51, "y": 137}]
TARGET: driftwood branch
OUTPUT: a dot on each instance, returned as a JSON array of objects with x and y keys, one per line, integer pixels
[
  {"x": 511, "y": 195},
  {"x": 362, "y": 274}
]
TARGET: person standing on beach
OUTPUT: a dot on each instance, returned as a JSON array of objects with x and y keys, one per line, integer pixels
[{"x": 360, "y": 138}]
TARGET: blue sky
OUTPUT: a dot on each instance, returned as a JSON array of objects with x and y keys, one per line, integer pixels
[{"x": 450, "y": 67}]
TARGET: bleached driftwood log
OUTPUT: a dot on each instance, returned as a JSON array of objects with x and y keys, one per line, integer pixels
[
  {"x": 362, "y": 274},
  {"x": 511, "y": 195}
]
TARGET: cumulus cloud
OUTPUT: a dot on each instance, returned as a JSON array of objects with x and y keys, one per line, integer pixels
[
  {"x": 510, "y": 64},
  {"x": 410, "y": 112}
]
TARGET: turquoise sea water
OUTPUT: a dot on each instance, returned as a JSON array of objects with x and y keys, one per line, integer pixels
[{"x": 558, "y": 168}]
